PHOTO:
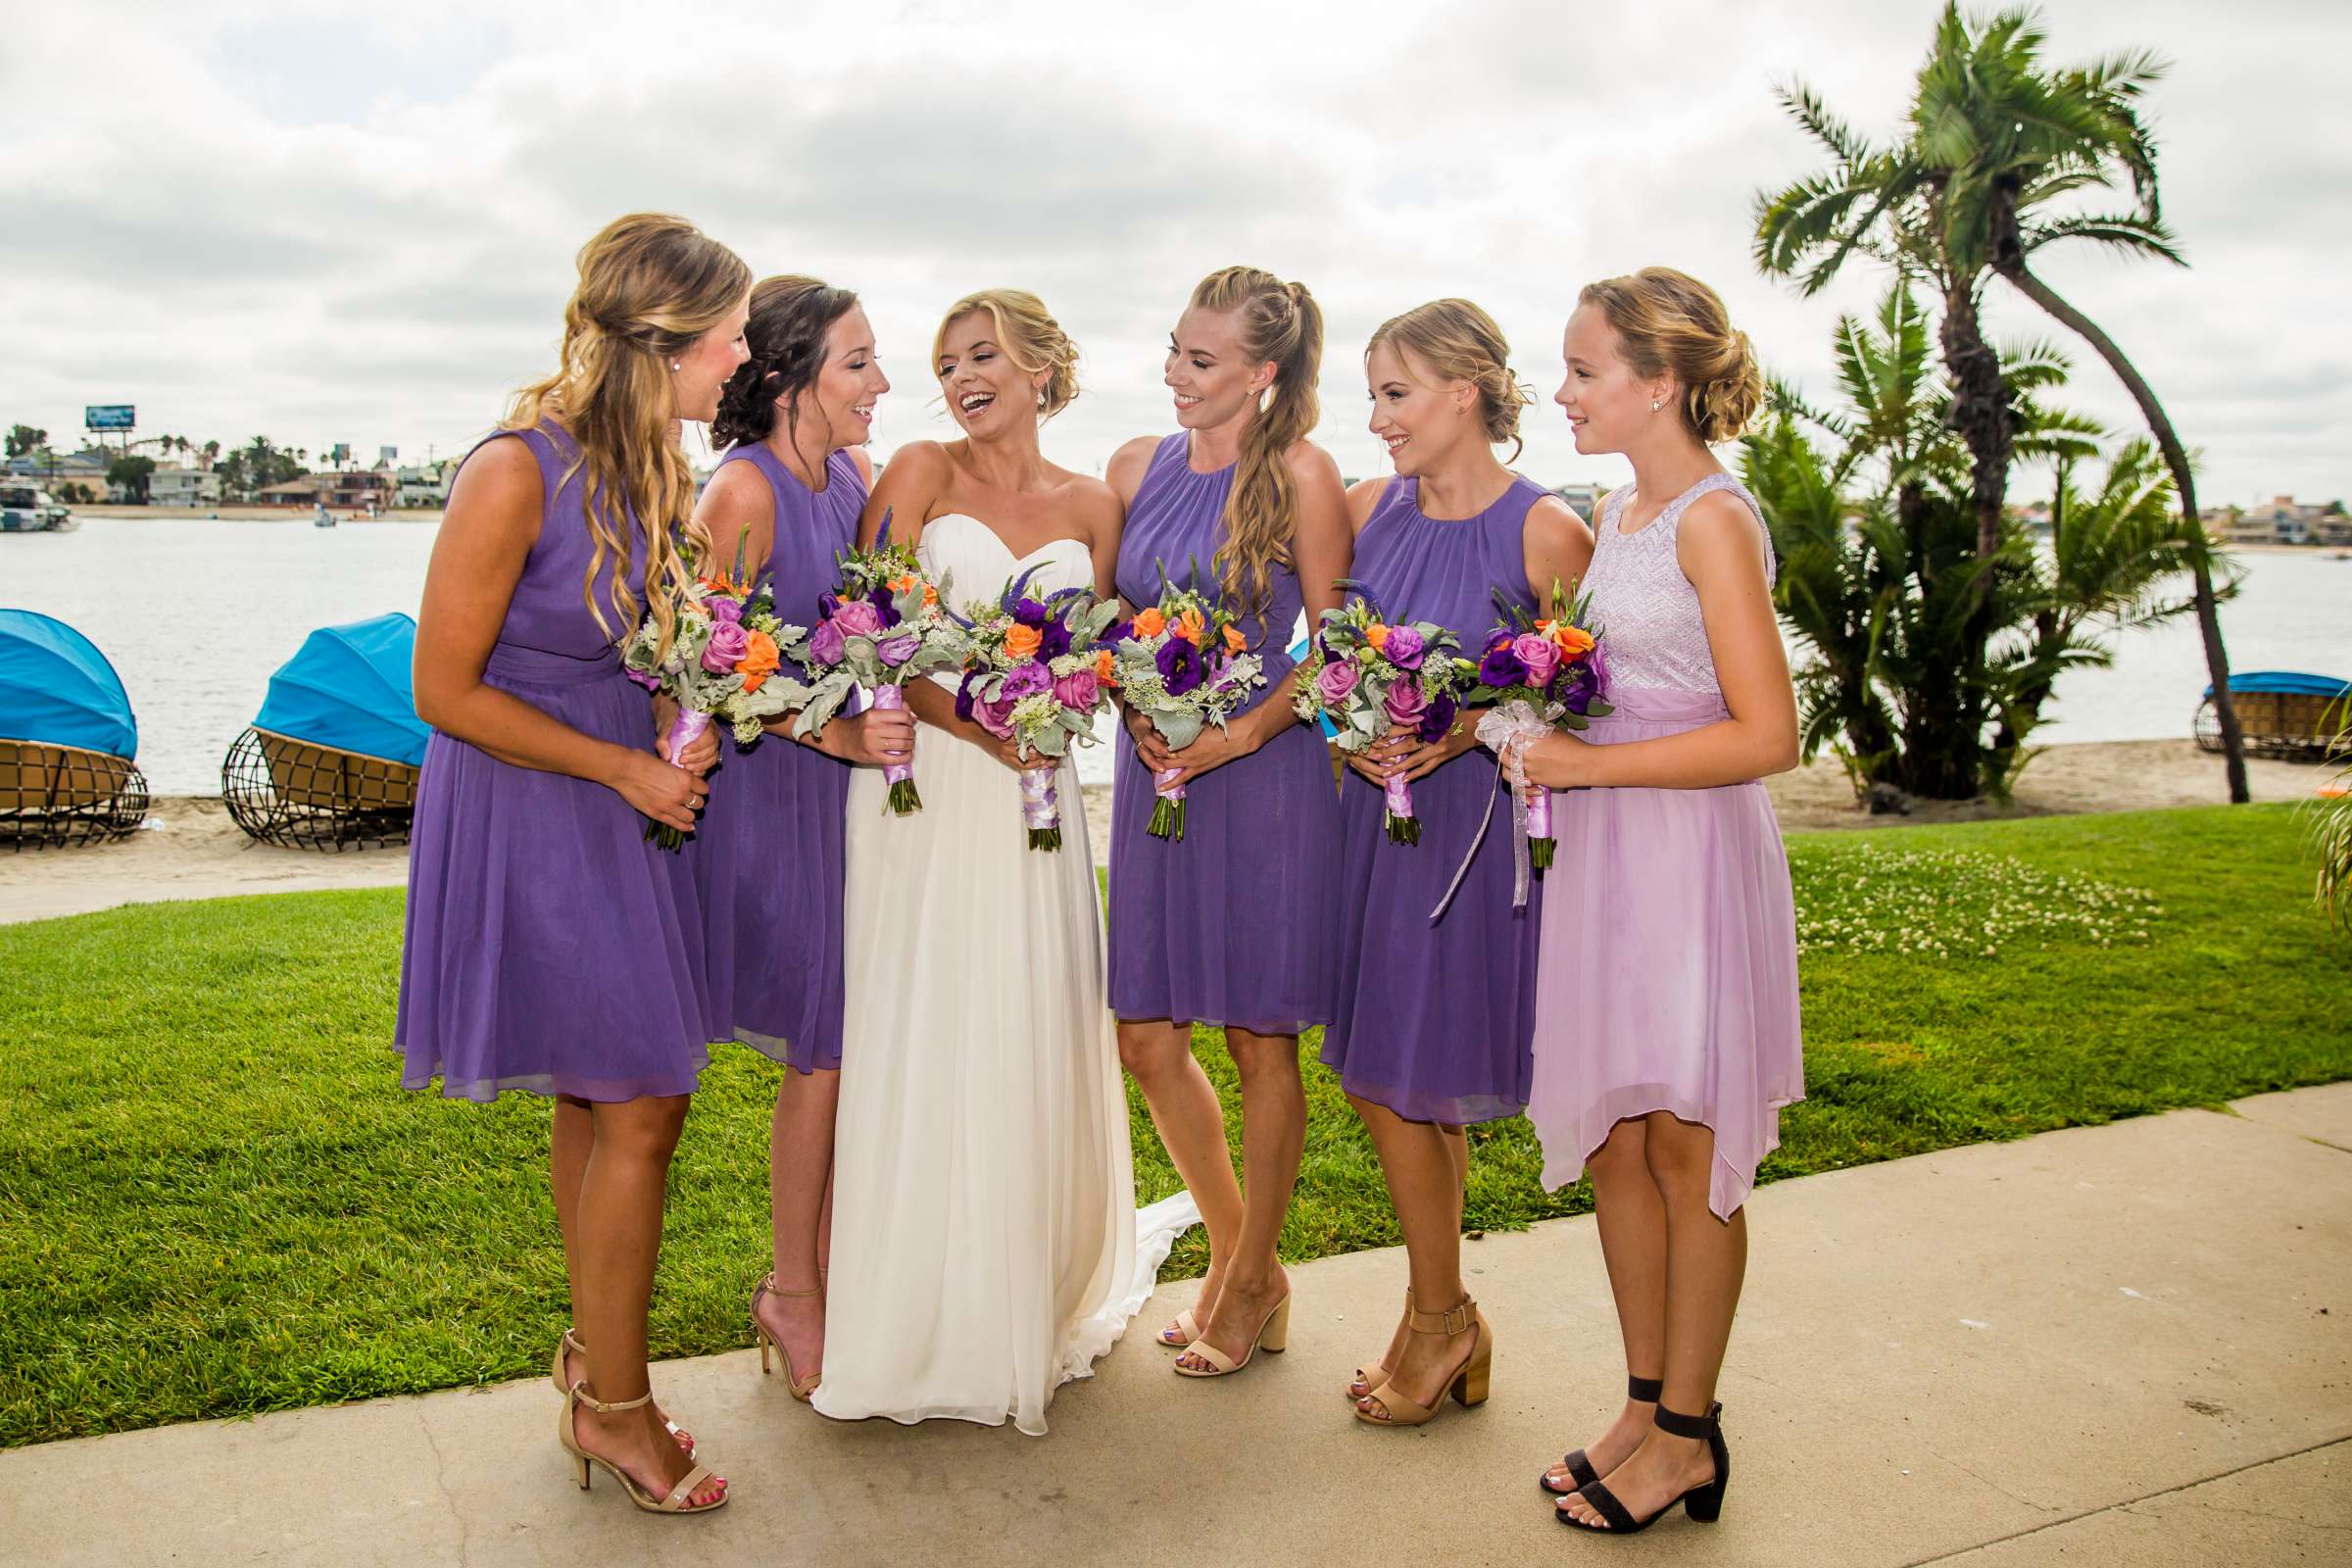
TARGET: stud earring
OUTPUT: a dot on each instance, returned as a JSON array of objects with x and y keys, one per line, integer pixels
[
  {"x": 1655, "y": 403},
  {"x": 673, "y": 364}
]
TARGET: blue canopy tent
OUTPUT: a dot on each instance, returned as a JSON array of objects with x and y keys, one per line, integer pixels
[
  {"x": 2283, "y": 713},
  {"x": 67, "y": 738},
  {"x": 331, "y": 758}
]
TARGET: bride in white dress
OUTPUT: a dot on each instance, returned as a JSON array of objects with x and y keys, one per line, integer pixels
[{"x": 985, "y": 1243}]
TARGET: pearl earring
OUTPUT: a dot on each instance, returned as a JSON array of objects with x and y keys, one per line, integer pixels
[{"x": 673, "y": 364}]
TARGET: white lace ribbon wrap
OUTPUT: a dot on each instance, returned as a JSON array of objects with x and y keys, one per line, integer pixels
[{"x": 1509, "y": 730}]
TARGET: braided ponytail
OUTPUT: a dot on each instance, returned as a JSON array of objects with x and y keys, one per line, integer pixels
[{"x": 1279, "y": 321}]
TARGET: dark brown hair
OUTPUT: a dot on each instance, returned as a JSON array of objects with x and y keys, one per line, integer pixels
[{"x": 786, "y": 334}]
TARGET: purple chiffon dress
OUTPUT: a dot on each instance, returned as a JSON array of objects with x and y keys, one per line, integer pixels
[
  {"x": 549, "y": 947},
  {"x": 768, "y": 856},
  {"x": 1435, "y": 1017},
  {"x": 1236, "y": 925},
  {"x": 1668, "y": 975}
]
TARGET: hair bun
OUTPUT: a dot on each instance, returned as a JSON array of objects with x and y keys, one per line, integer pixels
[{"x": 1670, "y": 323}]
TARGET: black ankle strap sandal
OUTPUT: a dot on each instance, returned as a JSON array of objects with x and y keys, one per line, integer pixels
[
  {"x": 1703, "y": 1504},
  {"x": 1641, "y": 1391}
]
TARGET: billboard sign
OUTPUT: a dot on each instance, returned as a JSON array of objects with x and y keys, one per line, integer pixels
[
  {"x": 108, "y": 416},
  {"x": 387, "y": 455},
  {"x": 342, "y": 452}
]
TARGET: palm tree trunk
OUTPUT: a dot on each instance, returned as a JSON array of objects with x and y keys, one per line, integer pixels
[{"x": 2176, "y": 458}]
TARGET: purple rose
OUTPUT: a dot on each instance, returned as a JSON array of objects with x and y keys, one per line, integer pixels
[
  {"x": 858, "y": 617},
  {"x": 826, "y": 644},
  {"x": 1334, "y": 682},
  {"x": 963, "y": 694},
  {"x": 995, "y": 717},
  {"x": 1541, "y": 656},
  {"x": 1403, "y": 648},
  {"x": 1437, "y": 718},
  {"x": 1405, "y": 703},
  {"x": 885, "y": 605},
  {"x": 724, "y": 609},
  {"x": 896, "y": 651},
  {"x": 1180, "y": 668},
  {"x": 1585, "y": 682},
  {"x": 1079, "y": 690},
  {"x": 724, "y": 651},
  {"x": 1027, "y": 680},
  {"x": 1500, "y": 667},
  {"x": 826, "y": 603},
  {"x": 1028, "y": 612},
  {"x": 1053, "y": 640},
  {"x": 652, "y": 683}
]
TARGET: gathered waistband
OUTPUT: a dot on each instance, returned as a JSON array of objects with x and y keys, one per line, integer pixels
[{"x": 535, "y": 666}]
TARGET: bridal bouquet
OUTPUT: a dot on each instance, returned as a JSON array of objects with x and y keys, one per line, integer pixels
[
  {"x": 725, "y": 644},
  {"x": 1371, "y": 679},
  {"x": 1180, "y": 663},
  {"x": 1034, "y": 674},
  {"x": 881, "y": 628},
  {"x": 1539, "y": 675}
]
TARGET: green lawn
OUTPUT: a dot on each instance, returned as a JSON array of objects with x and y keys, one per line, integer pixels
[{"x": 214, "y": 1199}]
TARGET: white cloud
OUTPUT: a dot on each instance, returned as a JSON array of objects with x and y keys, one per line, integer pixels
[{"x": 334, "y": 223}]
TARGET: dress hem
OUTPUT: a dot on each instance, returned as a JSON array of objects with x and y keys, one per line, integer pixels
[{"x": 1728, "y": 1189}]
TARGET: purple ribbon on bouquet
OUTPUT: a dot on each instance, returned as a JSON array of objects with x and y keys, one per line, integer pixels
[
  {"x": 684, "y": 731},
  {"x": 1509, "y": 730},
  {"x": 1041, "y": 797},
  {"x": 890, "y": 698}
]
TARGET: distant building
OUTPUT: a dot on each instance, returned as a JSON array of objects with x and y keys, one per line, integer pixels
[
  {"x": 354, "y": 491},
  {"x": 424, "y": 484},
  {"x": 1583, "y": 499},
  {"x": 183, "y": 487},
  {"x": 86, "y": 467},
  {"x": 2280, "y": 521}
]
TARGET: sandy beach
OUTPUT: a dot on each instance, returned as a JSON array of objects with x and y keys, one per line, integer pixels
[{"x": 191, "y": 850}]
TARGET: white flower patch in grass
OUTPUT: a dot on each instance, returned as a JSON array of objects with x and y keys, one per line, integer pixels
[{"x": 1952, "y": 904}]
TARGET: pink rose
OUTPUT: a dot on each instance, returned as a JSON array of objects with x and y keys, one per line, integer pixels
[
  {"x": 1334, "y": 682},
  {"x": 1541, "y": 656},
  {"x": 1404, "y": 702},
  {"x": 1079, "y": 691},
  {"x": 857, "y": 618},
  {"x": 725, "y": 648},
  {"x": 995, "y": 717}
]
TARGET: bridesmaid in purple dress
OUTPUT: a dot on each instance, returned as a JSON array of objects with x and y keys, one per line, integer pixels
[
  {"x": 1433, "y": 1017},
  {"x": 785, "y": 502},
  {"x": 1665, "y": 1052},
  {"x": 550, "y": 948},
  {"x": 1233, "y": 928}
]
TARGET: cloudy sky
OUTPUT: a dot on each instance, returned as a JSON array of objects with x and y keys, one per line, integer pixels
[{"x": 330, "y": 222}]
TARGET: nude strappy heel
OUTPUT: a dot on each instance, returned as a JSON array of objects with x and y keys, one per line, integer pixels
[
  {"x": 681, "y": 1496},
  {"x": 569, "y": 1345},
  {"x": 1185, "y": 1329},
  {"x": 801, "y": 1388},
  {"x": 1369, "y": 1378},
  {"x": 1273, "y": 1338},
  {"x": 1468, "y": 1384}
]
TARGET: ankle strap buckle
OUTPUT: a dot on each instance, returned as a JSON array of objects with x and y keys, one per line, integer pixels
[{"x": 1449, "y": 1323}]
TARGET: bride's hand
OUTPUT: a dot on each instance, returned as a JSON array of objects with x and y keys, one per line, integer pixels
[{"x": 1004, "y": 751}]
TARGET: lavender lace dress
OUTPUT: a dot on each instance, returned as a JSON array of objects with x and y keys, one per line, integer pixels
[
  {"x": 548, "y": 946},
  {"x": 1667, "y": 977}
]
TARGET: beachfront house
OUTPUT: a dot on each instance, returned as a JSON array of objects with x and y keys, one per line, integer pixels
[
  {"x": 183, "y": 487},
  {"x": 2280, "y": 521},
  {"x": 424, "y": 484}
]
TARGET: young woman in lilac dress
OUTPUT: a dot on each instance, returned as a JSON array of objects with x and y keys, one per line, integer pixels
[
  {"x": 550, "y": 947},
  {"x": 1435, "y": 1015},
  {"x": 1668, "y": 1039},
  {"x": 1234, "y": 927},
  {"x": 785, "y": 503}
]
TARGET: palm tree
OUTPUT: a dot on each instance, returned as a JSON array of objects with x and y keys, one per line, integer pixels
[
  {"x": 2036, "y": 137},
  {"x": 1994, "y": 140}
]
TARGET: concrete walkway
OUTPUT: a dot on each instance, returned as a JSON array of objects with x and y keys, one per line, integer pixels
[{"x": 2120, "y": 1344}]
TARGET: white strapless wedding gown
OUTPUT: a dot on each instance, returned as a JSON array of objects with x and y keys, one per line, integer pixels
[{"x": 986, "y": 1245}]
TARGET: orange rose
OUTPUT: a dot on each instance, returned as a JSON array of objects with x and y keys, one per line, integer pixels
[
  {"x": 1105, "y": 667},
  {"x": 758, "y": 662},
  {"x": 900, "y": 584},
  {"x": 1150, "y": 623},
  {"x": 1190, "y": 625},
  {"x": 1022, "y": 641},
  {"x": 1235, "y": 642},
  {"x": 1574, "y": 641},
  {"x": 1376, "y": 635},
  {"x": 930, "y": 597}
]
